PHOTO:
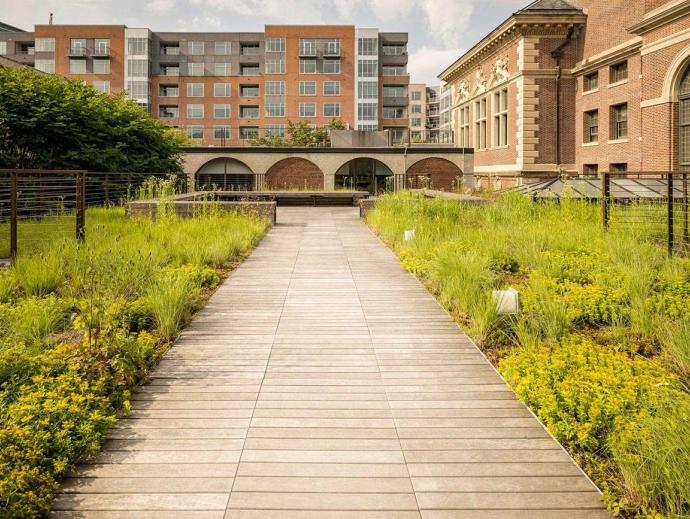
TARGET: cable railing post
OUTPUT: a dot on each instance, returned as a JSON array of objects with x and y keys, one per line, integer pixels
[
  {"x": 605, "y": 199},
  {"x": 669, "y": 213},
  {"x": 13, "y": 215},
  {"x": 686, "y": 230},
  {"x": 81, "y": 205}
]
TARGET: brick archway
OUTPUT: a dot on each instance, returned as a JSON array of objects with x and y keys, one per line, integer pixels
[
  {"x": 442, "y": 174},
  {"x": 294, "y": 173}
]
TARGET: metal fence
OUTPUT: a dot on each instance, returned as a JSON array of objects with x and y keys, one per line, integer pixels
[
  {"x": 651, "y": 203},
  {"x": 39, "y": 206}
]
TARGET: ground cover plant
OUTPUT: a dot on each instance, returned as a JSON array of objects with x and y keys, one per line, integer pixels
[
  {"x": 601, "y": 348},
  {"x": 82, "y": 324}
]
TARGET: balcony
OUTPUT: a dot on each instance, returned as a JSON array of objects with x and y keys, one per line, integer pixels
[
  {"x": 77, "y": 52},
  {"x": 250, "y": 69},
  {"x": 168, "y": 112},
  {"x": 169, "y": 91},
  {"x": 307, "y": 51},
  {"x": 170, "y": 71},
  {"x": 170, "y": 49},
  {"x": 396, "y": 100},
  {"x": 249, "y": 91},
  {"x": 250, "y": 50}
]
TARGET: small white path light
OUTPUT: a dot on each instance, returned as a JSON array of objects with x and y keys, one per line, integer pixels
[
  {"x": 409, "y": 234},
  {"x": 507, "y": 301}
]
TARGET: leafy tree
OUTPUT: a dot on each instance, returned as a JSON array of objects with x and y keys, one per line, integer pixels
[
  {"x": 301, "y": 135},
  {"x": 50, "y": 122}
]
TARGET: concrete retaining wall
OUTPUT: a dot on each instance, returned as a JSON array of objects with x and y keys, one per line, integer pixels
[{"x": 188, "y": 208}]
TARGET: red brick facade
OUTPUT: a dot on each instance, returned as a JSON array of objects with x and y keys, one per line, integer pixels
[
  {"x": 442, "y": 174},
  {"x": 294, "y": 173}
]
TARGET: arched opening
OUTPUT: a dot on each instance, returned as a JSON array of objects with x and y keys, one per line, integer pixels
[
  {"x": 684, "y": 120},
  {"x": 434, "y": 173},
  {"x": 294, "y": 173},
  {"x": 364, "y": 174},
  {"x": 226, "y": 174}
]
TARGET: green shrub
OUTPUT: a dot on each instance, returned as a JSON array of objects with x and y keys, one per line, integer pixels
[{"x": 39, "y": 276}]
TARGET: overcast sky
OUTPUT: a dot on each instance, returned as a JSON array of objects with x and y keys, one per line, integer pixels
[{"x": 440, "y": 30}]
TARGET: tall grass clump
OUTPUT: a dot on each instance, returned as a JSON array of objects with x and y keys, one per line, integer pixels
[
  {"x": 600, "y": 349},
  {"x": 169, "y": 303},
  {"x": 39, "y": 276}
]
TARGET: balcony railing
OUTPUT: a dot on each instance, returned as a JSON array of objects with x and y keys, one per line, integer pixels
[
  {"x": 101, "y": 52},
  {"x": 77, "y": 52}
]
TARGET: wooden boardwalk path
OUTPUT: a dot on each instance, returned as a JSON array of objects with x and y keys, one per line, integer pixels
[{"x": 323, "y": 381}]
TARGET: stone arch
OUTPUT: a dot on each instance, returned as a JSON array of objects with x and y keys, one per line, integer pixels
[
  {"x": 225, "y": 173},
  {"x": 294, "y": 173},
  {"x": 441, "y": 173},
  {"x": 674, "y": 75},
  {"x": 365, "y": 174}
]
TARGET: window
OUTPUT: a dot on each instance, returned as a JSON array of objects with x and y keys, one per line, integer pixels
[
  {"x": 249, "y": 49},
  {"x": 367, "y": 46},
  {"x": 77, "y": 46},
  {"x": 415, "y": 96},
  {"x": 307, "y": 88},
  {"x": 331, "y": 66},
  {"x": 42, "y": 45},
  {"x": 221, "y": 111},
  {"x": 590, "y": 170},
  {"x": 464, "y": 136},
  {"x": 168, "y": 112},
  {"x": 77, "y": 66},
  {"x": 221, "y": 90},
  {"x": 102, "y": 86},
  {"x": 3, "y": 48},
  {"x": 394, "y": 91},
  {"x": 591, "y": 126},
  {"x": 619, "y": 121},
  {"x": 619, "y": 72},
  {"x": 195, "y": 89},
  {"x": 274, "y": 88},
  {"x": 249, "y": 112},
  {"x": 331, "y": 88},
  {"x": 501, "y": 118},
  {"x": 195, "y": 69},
  {"x": 249, "y": 70},
  {"x": 480, "y": 124},
  {"x": 618, "y": 167},
  {"x": 275, "y": 110},
  {"x": 101, "y": 47},
  {"x": 333, "y": 47},
  {"x": 170, "y": 70},
  {"x": 397, "y": 70},
  {"x": 275, "y": 66},
  {"x": 591, "y": 81},
  {"x": 195, "y": 48},
  {"x": 307, "y": 109},
  {"x": 368, "y": 68},
  {"x": 394, "y": 50},
  {"x": 367, "y": 111},
  {"x": 169, "y": 91},
  {"x": 45, "y": 65},
  {"x": 101, "y": 66},
  {"x": 331, "y": 110},
  {"x": 397, "y": 134},
  {"x": 367, "y": 90},
  {"x": 195, "y": 132},
  {"x": 416, "y": 109},
  {"x": 137, "y": 46},
  {"x": 393, "y": 112},
  {"x": 222, "y": 48},
  {"x": 221, "y": 132},
  {"x": 277, "y": 130},
  {"x": 307, "y": 66},
  {"x": 137, "y": 67},
  {"x": 249, "y": 132},
  {"x": 307, "y": 47},
  {"x": 415, "y": 122},
  {"x": 221, "y": 69},
  {"x": 138, "y": 89},
  {"x": 275, "y": 44},
  {"x": 249, "y": 90},
  {"x": 368, "y": 127},
  {"x": 172, "y": 49},
  {"x": 195, "y": 111}
]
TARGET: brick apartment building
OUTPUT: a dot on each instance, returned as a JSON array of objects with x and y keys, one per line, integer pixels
[
  {"x": 581, "y": 85},
  {"x": 425, "y": 113},
  {"x": 224, "y": 88}
]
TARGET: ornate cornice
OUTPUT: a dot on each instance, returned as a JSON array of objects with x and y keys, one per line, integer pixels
[{"x": 662, "y": 16}]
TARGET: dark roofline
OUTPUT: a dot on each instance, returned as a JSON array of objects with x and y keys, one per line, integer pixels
[
  {"x": 5, "y": 27},
  {"x": 412, "y": 150}
]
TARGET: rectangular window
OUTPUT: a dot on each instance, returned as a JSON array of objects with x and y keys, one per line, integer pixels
[
  {"x": 221, "y": 69},
  {"x": 394, "y": 70},
  {"x": 367, "y": 90},
  {"x": 591, "y": 81},
  {"x": 277, "y": 130},
  {"x": 221, "y": 89},
  {"x": 170, "y": 49},
  {"x": 3, "y": 48},
  {"x": 480, "y": 124},
  {"x": 275, "y": 66},
  {"x": 137, "y": 67},
  {"x": 221, "y": 111},
  {"x": 307, "y": 109},
  {"x": 169, "y": 91},
  {"x": 102, "y": 86},
  {"x": 249, "y": 112},
  {"x": 77, "y": 46},
  {"x": 101, "y": 66},
  {"x": 138, "y": 89},
  {"x": 619, "y": 121},
  {"x": 138, "y": 46},
  {"x": 195, "y": 132},
  {"x": 393, "y": 112},
  {"x": 331, "y": 88},
  {"x": 590, "y": 170},
  {"x": 307, "y": 47},
  {"x": 195, "y": 48},
  {"x": 249, "y": 132},
  {"x": 394, "y": 50},
  {"x": 415, "y": 96},
  {"x": 619, "y": 72},
  {"x": 332, "y": 47},
  {"x": 307, "y": 66},
  {"x": 168, "y": 112},
  {"x": 222, "y": 48},
  {"x": 395, "y": 91},
  {"x": 275, "y": 110},
  {"x": 45, "y": 65},
  {"x": 368, "y": 68},
  {"x": 307, "y": 88},
  {"x": 367, "y": 46},
  {"x": 249, "y": 90},
  {"x": 195, "y": 111},
  {"x": 331, "y": 110},
  {"x": 101, "y": 47},
  {"x": 367, "y": 111},
  {"x": 170, "y": 71},
  {"x": 416, "y": 109},
  {"x": 275, "y": 44},
  {"x": 221, "y": 132},
  {"x": 415, "y": 122},
  {"x": 274, "y": 88},
  {"x": 249, "y": 49},
  {"x": 42, "y": 45},
  {"x": 331, "y": 66},
  {"x": 195, "y": 69},
  {"x": 250, "y": 70},
  {"x": 618, "y": 167},
  {"x": 501, "y": 118},
  {"x": 77, "y": 66},
  {"x": 195, "y": 89},
  {"x": 464, "y": 136},
  {"x": 591, "y": 126}
]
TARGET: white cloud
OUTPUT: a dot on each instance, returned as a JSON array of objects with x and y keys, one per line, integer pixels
[
  {"x": 426, "y": 63},
  {"x": 161, "y": 6},
  {"x": 448, "y": 21}
]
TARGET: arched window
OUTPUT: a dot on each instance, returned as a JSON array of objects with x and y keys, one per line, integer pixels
[{"x": 684, "y": 121}]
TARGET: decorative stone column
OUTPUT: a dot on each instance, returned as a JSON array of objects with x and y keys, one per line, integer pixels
[
  {"x": 329, "y": 181},
  {"x": 398, "y": 181},
  {"x": 259, "y": 181}
]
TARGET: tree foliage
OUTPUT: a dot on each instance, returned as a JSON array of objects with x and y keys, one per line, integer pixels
[
  {"x": 50, "y": 122},
  {"x": 300, "y": 134}
]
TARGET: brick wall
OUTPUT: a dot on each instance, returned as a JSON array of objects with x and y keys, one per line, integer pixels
[
  {"x": 443, "y": 174},
  {"x": 294, "y": 173}
]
